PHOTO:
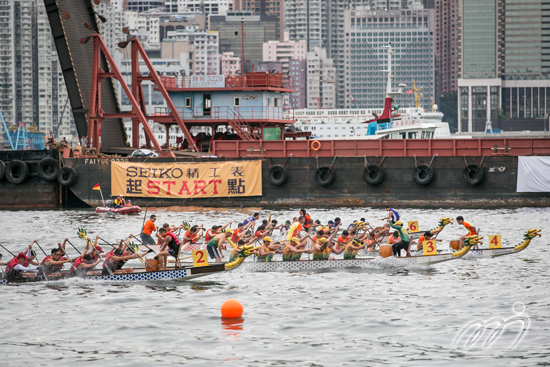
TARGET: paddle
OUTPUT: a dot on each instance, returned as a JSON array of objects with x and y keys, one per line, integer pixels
[
  {"x": 40, "y": 247},
  {"x": 144, "y": 217},
  {"x": 39, "y": 267},
  {"x": 82, "y": 234},
  {"x": 144, "y": 244},
  {"x": 12, "y": 254},
  {"x": 74, "y": 247}
]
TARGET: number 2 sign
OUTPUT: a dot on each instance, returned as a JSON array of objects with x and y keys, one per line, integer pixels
[
  {"x": 200, "y": 258},
  {"x": 495, "y": 241},
  {"x": 413, "y": 227},
  {"x": 429, "y": 247}
]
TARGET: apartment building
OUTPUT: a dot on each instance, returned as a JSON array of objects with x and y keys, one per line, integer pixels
[
  {"x": 205, "y": 58},
  {"x": 230, "y": 64},
  {"x": 271, "y": 7},
  {"x": 446, "y": 46},
  {"x": 283, "y": 52},
  {"x": 321, "y": 80}
]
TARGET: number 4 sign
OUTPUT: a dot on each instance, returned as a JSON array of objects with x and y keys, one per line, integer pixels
[
  {"x": 413, "y": 227},
  {"x": 200, "y": 258},
  {"x": 495, "y": 241},
  {"x": 429, "y": 247}
]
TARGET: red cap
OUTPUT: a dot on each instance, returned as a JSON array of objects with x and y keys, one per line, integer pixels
[
  {"x": 22, "y": 255},
  {"x": 97, "y": 248}
]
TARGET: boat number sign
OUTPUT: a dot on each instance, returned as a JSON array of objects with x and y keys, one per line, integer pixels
[
  {"x": 187, "y": 180},
  {"x": 429, "y": 247},
  {"x": 413, "y": 227},
  {"x": 200, "y": 258},
  {"x": 495, "y": 241}
]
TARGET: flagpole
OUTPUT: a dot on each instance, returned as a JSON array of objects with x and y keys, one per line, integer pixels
[{"x": 102, "y": 196}]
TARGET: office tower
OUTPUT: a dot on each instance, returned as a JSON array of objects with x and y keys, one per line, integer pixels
[
  {"x": 321, "y": 80},
  {"x": 273, "y": 7},
  {"x": 446, "y": 46}
]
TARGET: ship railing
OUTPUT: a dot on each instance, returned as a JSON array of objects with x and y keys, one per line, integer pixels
[
  {"x": 250, "y": 80},
  {"x": 227, "y": 113}
]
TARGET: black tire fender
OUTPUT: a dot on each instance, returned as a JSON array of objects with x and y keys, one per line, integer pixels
[
  {"x": 278, "y": 175},
  {"x": 473, "y": 174},
  {"x": 17, "y": 171},
  {"x": 67, "y": 176},
  {"x": 325, "y": 176},
  {"x": 2, "y": 170},
  {"x": 423, "y": 174},
  {"x": 374, "y": 174},
  {"x": 48, "y": 169}
]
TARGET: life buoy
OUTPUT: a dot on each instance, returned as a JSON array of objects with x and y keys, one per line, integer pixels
[
  {"x": 278, "y": 175},
  {"x": 48, "y": 169},
  {"x": 473, "y": 174},
  {"x": 423, "y": 174},
  {"x": 2, "y": 170},
  {"x": 374, "y": 174},
  {"x": 17, "y": 171},
  {"x": 67, "y": 176},
  {"x": 315, "y": 145},
  {"x": 325, "y": 176}
]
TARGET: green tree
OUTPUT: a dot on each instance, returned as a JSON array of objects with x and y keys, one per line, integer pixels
[{"x": 448, "y": 105}]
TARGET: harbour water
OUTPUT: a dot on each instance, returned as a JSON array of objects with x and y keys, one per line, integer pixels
[{"x": 377, "y": 315}]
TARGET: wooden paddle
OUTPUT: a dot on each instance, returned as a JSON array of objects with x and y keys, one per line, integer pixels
[{"x": 12, "y": 254}]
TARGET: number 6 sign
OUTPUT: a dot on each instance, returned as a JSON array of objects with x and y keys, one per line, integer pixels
[
  {"x": 200, "y": 258},
  {"x": 429, "y": 247},
  {"x": 413, "y": 227},
  {"x": 495, "y": 241}
]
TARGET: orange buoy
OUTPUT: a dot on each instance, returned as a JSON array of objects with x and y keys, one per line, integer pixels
[{"x": 232, "y": 308}]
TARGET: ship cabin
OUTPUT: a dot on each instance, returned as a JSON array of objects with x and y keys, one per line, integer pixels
[{"x": 218, "y": 107}]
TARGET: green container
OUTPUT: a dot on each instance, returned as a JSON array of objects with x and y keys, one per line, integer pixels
[{"x": 272, "y": 133}]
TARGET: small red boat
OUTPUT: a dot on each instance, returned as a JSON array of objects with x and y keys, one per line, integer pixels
[{"x": 134, "y": 209}]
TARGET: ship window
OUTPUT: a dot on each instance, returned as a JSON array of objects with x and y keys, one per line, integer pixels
[
  {"x": 278, "y": 103},
  {"x": 237, "y": 101},
  {"x": 187, "y": 101}
]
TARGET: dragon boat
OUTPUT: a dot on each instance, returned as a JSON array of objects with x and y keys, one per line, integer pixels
[
  {"x": 496, "y": 252},
  {"x": 272, "y": 266}
]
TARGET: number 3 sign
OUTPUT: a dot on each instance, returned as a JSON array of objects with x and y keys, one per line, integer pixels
[
  {"x": 429, "y": 247},
  {"x": 200, "y": 258}
]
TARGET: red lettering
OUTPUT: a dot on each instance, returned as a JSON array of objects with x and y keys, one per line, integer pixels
[
  {"x": 201, "y": 187},
  {"x": 151, "y": 185},
  {"x": 215, "y": 182},
  {"x": 184, "y": 187},
  {"x": 169, "y": 183}
]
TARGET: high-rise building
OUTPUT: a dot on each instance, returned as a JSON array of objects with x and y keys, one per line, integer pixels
[
  {"x": 284, "y": 51},
  {"x": 258, "y": 29},
  {"x": 142, "y": 5},
  {"x": 230, "y": 64},
  {"x": 205, "y": 46},
  {"x": 411, "y": 34},
  {"x": 305, "y": 20},
  {"x": 321, "y": 80},
  {"x": 32, "y": 89},
  {"x": 446, "y": 46},
  {"x": 298, "y": 71},
  {"x": 503, "y": 63},
  {"x": 273, "y": 7},
  {"x": 205, "y": 7}
]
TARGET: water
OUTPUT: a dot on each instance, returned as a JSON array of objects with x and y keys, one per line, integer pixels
[{"x": 376, "y": 315}]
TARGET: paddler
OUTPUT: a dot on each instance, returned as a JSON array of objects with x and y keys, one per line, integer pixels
[
  {"x": 148, "y": 229},
  {"x": 426, "y": 236},
  {"x": 192, "y": 235},
  {"x": 393, "y": 215},
  {"x": 52, "y": 264},
  {"x": 83, "y": 266},
  {"x": 170, "y": 247},
  {"x": 295, "y": 228},
  {"x": 240, "y": 232},
  {"x": 214, "y": 246},
  {"x": 284, "y": 228},
  {"x": 267, "y": 250},
  {"x": 404, "y": 243},
  {"x": 471, "y": 230},
  {"x": 351, "y": 249},
  {"x": 321, "y": 250},
  {"x": 116, "y": 259},
  {"x": 341, "y": 242},
  {"x": 293, "y": 250},
  {"x": 169, "y": 229},
  {"x": 252, "y": 219},
  {"x": 19, "y": 267},
  {"x": 307, "y": 220},
  {"x": 237, "y": 250},
  {"x": 215, "y": 230}
]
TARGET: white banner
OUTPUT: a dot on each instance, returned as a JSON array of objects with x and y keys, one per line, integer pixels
[{"x": 533, "y": 174}]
